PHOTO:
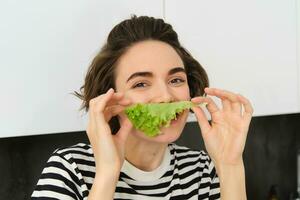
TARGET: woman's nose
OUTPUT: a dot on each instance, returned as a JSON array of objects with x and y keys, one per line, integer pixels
[{"x": 163, "y": 94}]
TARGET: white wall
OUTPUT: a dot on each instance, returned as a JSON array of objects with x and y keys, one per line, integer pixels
[
  {"x": 46, "y": 46},
  {"x": 249, "y": 47}
]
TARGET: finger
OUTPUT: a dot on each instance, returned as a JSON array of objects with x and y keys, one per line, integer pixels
[
  {"x": 104, "y": 107},
  {"x": 211, "y": 105},
  {"x": 125, "y": 128},
  {"x": 93, "y": 109},
  {"x": 248, "y": 109},
  {"x": 96, "y": 128},
  {"x": 118, "y": 98},
  {"x": 198, "y": 100},
  {"x": 100, "y": 102},
  {"x": 113, "y": 111},
  {"x": 230, "y": 100},
  {"x": 97, "y": 119},
  {"x": 115, "y": 98},
  {"x": 226, "y": 105},
  {"x": 202, "y": 120},
  {"x": 109, "y": 98},
  {"x": 116, "y": 108}
]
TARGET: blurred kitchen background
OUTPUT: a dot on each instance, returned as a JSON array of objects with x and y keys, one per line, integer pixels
[{"x": 249, "y": 47}]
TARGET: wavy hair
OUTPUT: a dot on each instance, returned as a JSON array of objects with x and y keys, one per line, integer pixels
[{"x": 101, "y": 72}]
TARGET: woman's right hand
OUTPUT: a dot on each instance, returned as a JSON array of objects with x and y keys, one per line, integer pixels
[{"x": 108, "y": 149}]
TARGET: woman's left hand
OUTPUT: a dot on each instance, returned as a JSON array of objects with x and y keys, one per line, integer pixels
[{"x": 225, "y": 137}]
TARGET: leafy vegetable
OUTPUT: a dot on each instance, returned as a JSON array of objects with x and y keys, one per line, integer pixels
[{"x": 149, "y": 118}]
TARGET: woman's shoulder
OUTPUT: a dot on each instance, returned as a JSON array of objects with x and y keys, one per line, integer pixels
[
  {"x": 76, "y": 151},
  {"x": 189, "y": 159},
  {"x": 187, "y": 151},
  {"x": 75, "y": 147}
]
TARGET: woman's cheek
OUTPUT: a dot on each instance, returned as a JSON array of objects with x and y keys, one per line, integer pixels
[
  {"x": 141, "y": 95},
  {"x": 182, "y": 93}
]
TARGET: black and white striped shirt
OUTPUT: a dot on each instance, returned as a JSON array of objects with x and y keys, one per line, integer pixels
[{"x": 183, "y": 174}]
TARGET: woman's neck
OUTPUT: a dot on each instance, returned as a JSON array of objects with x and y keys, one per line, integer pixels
[{"x": 144, "y": 155}]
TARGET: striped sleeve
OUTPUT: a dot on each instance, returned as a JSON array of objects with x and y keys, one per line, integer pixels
[
  {"x": 214, "y": 187},
  {"x": 58, "y": 180},
  {"x": 209, "y": 183},
  {"x": 214, "y": 192}
]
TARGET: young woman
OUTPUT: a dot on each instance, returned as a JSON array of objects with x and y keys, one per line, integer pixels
[{"x": 143, "y": 62}]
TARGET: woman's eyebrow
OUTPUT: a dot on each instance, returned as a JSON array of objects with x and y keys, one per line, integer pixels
[
  {"x": 143, "y": 74},
  {"x": 150, "y": 74},
  {"x": 176, "y": 70}
]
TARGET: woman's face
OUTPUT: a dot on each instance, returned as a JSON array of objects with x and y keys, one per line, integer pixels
[{"x": 153, "y": 72}]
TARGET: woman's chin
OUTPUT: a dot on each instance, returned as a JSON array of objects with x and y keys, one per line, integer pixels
[
  {"x": 167, "y": 136},
  {"x": 171, "y": 133}
]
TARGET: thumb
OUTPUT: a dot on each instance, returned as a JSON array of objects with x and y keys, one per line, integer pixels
[
  {"x": 125, "y": 128},
  {"x": 202, "y": 120}
]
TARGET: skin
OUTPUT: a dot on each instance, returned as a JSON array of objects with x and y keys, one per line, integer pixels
[{"x": 224, "y": 138}]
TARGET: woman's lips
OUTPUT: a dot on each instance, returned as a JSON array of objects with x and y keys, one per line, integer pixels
[{"x": 175, "y": 121}]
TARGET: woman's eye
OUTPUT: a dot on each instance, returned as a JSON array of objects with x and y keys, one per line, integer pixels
[
  {"x": 177, "y": 80},
  {"x": 173, "y": 81},
  {"x": 138, "y": 85}
]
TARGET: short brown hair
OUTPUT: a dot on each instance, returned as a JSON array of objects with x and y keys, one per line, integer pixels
[{"x": 101, "y": 73}]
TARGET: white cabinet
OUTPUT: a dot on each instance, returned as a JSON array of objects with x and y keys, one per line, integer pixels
[
  {"x": 45, "y": 48},
  {"x": 246, "y": 46}
]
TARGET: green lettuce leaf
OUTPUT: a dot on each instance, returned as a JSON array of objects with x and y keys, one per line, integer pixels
[{"x": 149, "y": 118}]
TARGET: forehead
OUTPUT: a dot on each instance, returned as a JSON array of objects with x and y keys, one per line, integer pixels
[{"x": 153, "y": 56}]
